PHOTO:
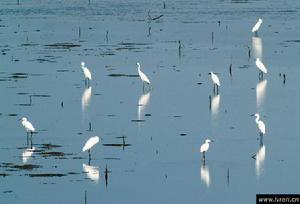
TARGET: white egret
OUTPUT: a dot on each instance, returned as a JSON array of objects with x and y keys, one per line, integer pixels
[
  {"x": 27, "y": 125},
  {"x": 89, "y": 144},
  {"x": 261, "y": 67},
  {"x": 257, "y": 25},
  {"x": 143, "y": 76},
  {"x": 205, "y": 146},
  {"x": 216, "y": 81},
  {"x": 260, "y": 124},
  {"x": 92, "y": 172},
  {"x": 87, "y": 74}
]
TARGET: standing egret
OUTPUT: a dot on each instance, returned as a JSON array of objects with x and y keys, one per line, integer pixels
[
  {"x": 89, "y": 144},
  {"x": 216, "y": 81},
  {"x": 257, "y": 26},
  {"x": 28, "y": 126},
  {"x": 260, "y": 124},
  {"x": 143, "y": 76},
  {"x": 87, "y": 74},
  {"x": 261, "y": 67},
  {"x": 205, "y": 146}
]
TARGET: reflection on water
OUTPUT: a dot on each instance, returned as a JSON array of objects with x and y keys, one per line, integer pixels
[
  {"x": 92, "y": 172},
  {"x": 204, "y": 174},
  {"x": 260, "y": 159},
  {"x": 260, "y": 93},
  {"x": 27, "y": 154},
  {"x": 143, "y": 101},
  {"x": 257, "y": 47},
  {"x": 86, "y": 97},
  {"x": 215, "y": 104}
]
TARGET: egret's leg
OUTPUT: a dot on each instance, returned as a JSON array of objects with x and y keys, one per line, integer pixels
[
  {"x": 217, "y": 89},
  {"x": 27, "y": 138},
  {"x": 143, "y": 87},
  {"x": 204, "y": 155},
  {"x": 89, "y": 156},
  {"x": 30, "y": 139},
  {"x": 261, "y": 141},
  {"x": 214, "y": 89},
  {"x": 209, "y": 102}
]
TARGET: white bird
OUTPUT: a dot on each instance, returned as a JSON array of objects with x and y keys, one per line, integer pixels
[
  {"x": 261, "y": 67},
  {"x": 89, "y": 144},
  {"x": 143, "y": 76},
  {"x": 257, "y": 25},
  {"x": 260, "y": 124},
  {"x": 87, "y": 73},
  {"x": 205, "y": 146},
  {"x": 27, "y": 125},
  {"x": 216, "y": 81}
]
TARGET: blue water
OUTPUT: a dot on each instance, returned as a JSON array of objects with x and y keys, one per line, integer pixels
[{"x": 162, "y": 128}]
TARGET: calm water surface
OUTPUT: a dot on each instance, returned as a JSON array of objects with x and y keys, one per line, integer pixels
[{"x": 150, "y": 148}]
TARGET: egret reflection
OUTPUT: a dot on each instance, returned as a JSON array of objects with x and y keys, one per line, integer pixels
[
  {"x": 260, "y": 159},
  {"x": 260, "y": 93},
  {"x": 204, "y": 174},
  {"x": 27, "y": 154},
  {"x": 143, "y": 101},
  {"x": 86, "y": 97},
  {"x": 215, "y": 104},
  {"x": 92, "y": 172},
  {"x": 257, "y": 47}
]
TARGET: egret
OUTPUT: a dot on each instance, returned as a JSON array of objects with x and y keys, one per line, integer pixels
[
  {"x": 27, "y": 125},
  {"x": 87, "y": 74},
  {"x": 143, "y": 76},
  {"x": 260, "y": 124},
  {"x": 261, "y": 67},
  {"x": 89, "y": 144},
  {"x": 257, "y": 25},
  {"x": 205, "y": 146},
  {"x": 215, "y": 80}
]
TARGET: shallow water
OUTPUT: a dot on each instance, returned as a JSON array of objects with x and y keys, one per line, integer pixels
[{"x": 150, "y": 148}]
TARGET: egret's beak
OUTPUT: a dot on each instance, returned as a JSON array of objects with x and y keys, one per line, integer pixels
[
  {"x": 20, "y": 119},
  {"x": 212, "y": 140},
  {"x": 252, "y": 115},
  {"x": 101, "y": 138},
  {"x": 209, "y": 73}
]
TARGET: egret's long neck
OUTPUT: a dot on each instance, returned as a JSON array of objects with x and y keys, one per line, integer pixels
[
  {"x": 257, "y": 119},
  {"x": 139, "y": 66}
]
